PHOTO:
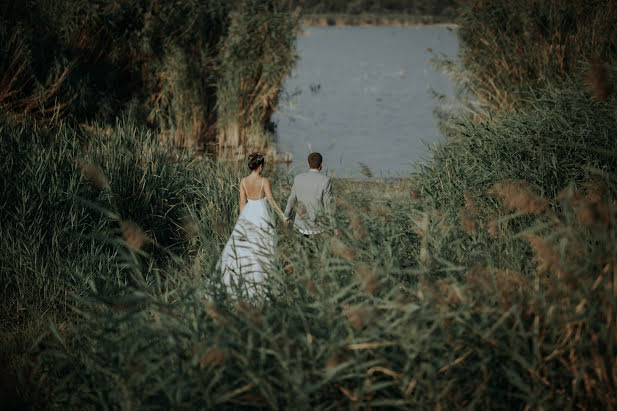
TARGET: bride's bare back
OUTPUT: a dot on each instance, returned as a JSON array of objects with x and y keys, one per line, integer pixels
[{"x": 254, "y": 187}]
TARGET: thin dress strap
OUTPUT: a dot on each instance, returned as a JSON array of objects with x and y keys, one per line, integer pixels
[
  {"x": 245, "y": 190},
  {"x": 261, "y": 188}
]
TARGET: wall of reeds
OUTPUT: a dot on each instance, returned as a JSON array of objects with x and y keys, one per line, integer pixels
[
  {"x": 512, "y": 46},
  {"x": 83, "y": 209},
  {"x": 66, "y": 204},
  {"x": 257, "y": 56},
  {"x": 161, "y": 61}
]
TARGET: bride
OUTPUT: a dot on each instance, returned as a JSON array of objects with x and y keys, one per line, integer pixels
[{"x": 250, "y": 247}]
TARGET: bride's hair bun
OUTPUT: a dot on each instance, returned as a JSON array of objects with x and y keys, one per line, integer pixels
[{"x": 255, "y": 160}]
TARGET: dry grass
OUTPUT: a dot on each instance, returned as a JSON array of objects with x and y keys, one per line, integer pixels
[
  {"x": 546, "y": 257},
  {"x": 597, "y": 78},
  {"x": 339, "y": 249},
  {"x": 19, "y": 94},
  {"x": 133, "y": 235},
  {"x": 214, "y": 356},
  {"x": 92, "y": 173},
  {"x": 592, "y": 207},
  {"x": 368, "y": 278},
  {"x": 468, "y": 223},
  {"x": 358, "y": 227}
]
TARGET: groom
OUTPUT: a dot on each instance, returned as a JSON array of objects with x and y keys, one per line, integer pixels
[{"x": 311, "y": 198}]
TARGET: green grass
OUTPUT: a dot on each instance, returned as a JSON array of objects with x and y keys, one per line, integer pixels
[{"x": 560, "y": 138}]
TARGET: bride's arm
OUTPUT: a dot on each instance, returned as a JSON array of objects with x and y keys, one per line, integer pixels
[
  {"x": 242, "y": 195},
  {"x": 271, "y": 200}
]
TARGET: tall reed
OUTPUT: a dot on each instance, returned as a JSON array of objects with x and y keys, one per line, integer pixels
[{"x": 257, "y": 56}]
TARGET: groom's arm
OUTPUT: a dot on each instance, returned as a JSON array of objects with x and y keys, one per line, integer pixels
[
  {"x": 291, "y": 202},
  {"x": 328, "y": 202}
]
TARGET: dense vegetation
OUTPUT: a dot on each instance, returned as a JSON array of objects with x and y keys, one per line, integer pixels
[
  {"x": 486, "y": 280},
  {"x": 511, "y": 47},
  {"x": 167, "y": 63}
]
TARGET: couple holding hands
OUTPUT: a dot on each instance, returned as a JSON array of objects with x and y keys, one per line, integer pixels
[{"x": 250, "y": 249}]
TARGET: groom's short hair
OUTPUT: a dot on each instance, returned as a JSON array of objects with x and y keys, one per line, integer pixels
[{"x": 314, "y": 160}]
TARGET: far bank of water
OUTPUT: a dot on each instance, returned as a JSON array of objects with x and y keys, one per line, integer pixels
[
  {"x": 363, "y": 97},
  {"x": 370, "y": 19}
]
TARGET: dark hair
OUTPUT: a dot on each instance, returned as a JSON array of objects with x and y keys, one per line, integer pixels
[
  {"x": 314, "y": 160},
  {"x": 255, "y": 160}
]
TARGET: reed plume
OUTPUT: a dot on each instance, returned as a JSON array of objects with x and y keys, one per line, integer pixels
[
  {"x": 598, "y": 79},
  {"x": 518, "y": 195}
]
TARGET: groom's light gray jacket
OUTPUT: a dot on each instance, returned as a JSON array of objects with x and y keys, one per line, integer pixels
[{"x": 311, "y": 198}]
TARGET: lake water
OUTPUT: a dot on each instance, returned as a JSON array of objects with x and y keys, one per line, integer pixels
[{"x": 362, "y": 96}]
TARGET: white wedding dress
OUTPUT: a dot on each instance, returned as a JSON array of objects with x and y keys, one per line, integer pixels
[{"x": 249, "y": 250}]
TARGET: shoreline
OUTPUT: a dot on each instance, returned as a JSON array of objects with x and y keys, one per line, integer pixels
[{"x": 390, "y": 20}]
